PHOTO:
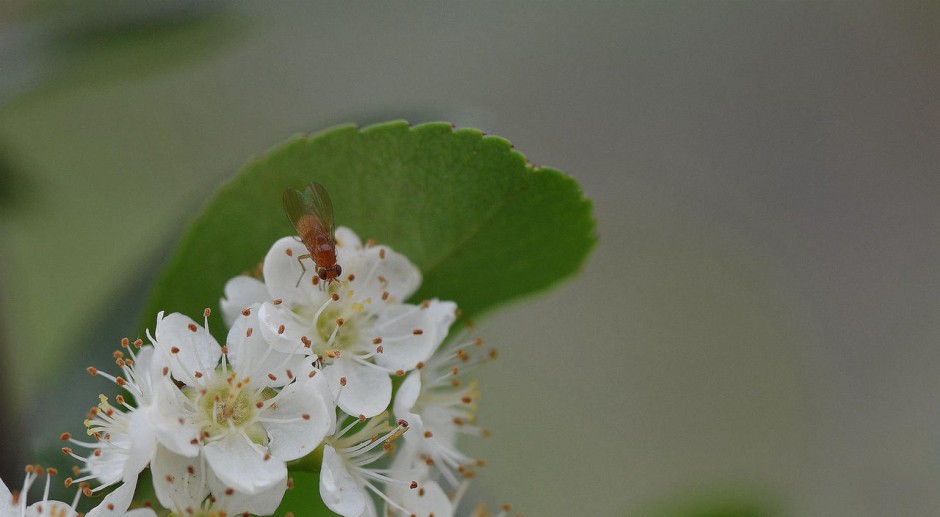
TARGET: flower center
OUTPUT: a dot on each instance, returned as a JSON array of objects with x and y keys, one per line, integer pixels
[
  {"x": 232, "y": 403},
  {"x": 339, "y": 323}
]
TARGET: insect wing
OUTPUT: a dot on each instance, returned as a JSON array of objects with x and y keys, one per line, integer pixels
[
  {"x": 321, "y": 206},
  {"x": 314, "y": 201}
]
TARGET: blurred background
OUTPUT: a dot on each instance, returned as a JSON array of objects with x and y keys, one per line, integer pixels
[{"x": 757, "y": 333}]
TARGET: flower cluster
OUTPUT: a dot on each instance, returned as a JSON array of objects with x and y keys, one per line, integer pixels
[{"x": 344, "y": 372}]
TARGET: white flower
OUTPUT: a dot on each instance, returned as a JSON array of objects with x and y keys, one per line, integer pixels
[
  {"x": 439, "y": 404},
  {"x": 14, "y": 505},
  {"x": 183, "y": 485},
  {"x": 231, "y": 412},
  {"x": 346, "y": 472},
  {"x": 357, "y": 325},
  {"x": 124, "y": 437}
]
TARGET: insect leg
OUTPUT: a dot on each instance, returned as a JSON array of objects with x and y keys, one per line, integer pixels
[{"x": 302, "y": 273}]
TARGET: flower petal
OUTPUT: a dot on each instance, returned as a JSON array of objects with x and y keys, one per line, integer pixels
[
  {"x": 407, "y": 396},
  {"x": 379, "y": 269},
  {"x": 301, "y": 417},
  {"x": 282, "y": 270},
  {"x": 189, "y": 346},
  {"x": 243, "y": 465},
  {"x": 173, "y": 423},
  {"x": 143, "y": 442},
  {"x": 141, "y": 512},
  {"x": 411, "y": 333},
  {"x": 178, "y": 481},
  {"x": 253, "y": 356},
  {"x": 347, "y": 241},
  {"x": 429, "y": 500},
  {"x": 113, "y": 504},
  {"x": 52, "y": 508},
  {"x": 288, "y": 339},
  {"x": 340, "y": 491},
  {"x": 367, "y": 392},
  {"x": 240, "y": 292},
  {"x": 264, "y": 502},
  {"x": 6, "y": 501}
]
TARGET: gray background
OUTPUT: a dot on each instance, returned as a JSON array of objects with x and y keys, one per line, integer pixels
[{"x": 759, "y": 321}]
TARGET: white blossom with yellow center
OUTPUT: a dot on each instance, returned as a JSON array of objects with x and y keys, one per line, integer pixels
[
  {"x": 357, "y": 326},
  {"x": 248, "y": 414}
]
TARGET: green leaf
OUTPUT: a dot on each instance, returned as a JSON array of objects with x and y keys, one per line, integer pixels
[
  {"x": 482, "y": 224},
  {"x": 303, "y": 500}
]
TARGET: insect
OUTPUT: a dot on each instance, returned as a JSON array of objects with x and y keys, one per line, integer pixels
[{"x": 311, "y": 214}]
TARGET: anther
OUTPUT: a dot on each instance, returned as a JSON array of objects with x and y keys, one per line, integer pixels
[
  {"x": 174, "y": 350},
  {"x": 280, "y": 329},
  {"x": 413, "y": 485},
  {"x": 417, "y": 332},
  {"x": 229, "y": 491},
  {"x": 306, "y": 341},
  {"x": 305, "y": 416},
  {"x": 92, "y": 370},
  {"x": 120, "y": 399},
  {"x": 428, "y": 434},
  {"x": 290, "y": 252},
  {"x": 249, "y": 331},
  {"x": 312, "y": 373},
  {"x": 278, "y": 301},
  {"x": 138, "y": 343},
  {"x": 206, "y": 312},
  {"x": 385, "y": 295},
  {"x": 290, "y": 483},
  {"x": 400, "y": 373},
  {"x": 67, "y": 450},
  {"x": 377, "y": 341},
  {"x": 381, "y": 253},
  {"x": 351, "y": 277},
  {"x": 259, "y": 404},
  {"x": 125, "y": 342},
  {"x": 420, "y": 365},
  {"x": 192, "y": 327},
  {"x": 224, "y": 349},
  {"x": 246, "y": 312},
  {"x": 335, "y": 297},
  {"x": 65, "y": 436},
  {"x": 379, "y": 349},
  {"x": 342, "y": 381},
  {"x": 290, "y": 374},
  {"x": 191, "y": 470},
  {"x": 425, "y": 304}
]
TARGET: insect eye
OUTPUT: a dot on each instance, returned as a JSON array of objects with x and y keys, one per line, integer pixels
[
  {"x": 321, "y": 273},
  {"x": 339, "y": 270}
]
